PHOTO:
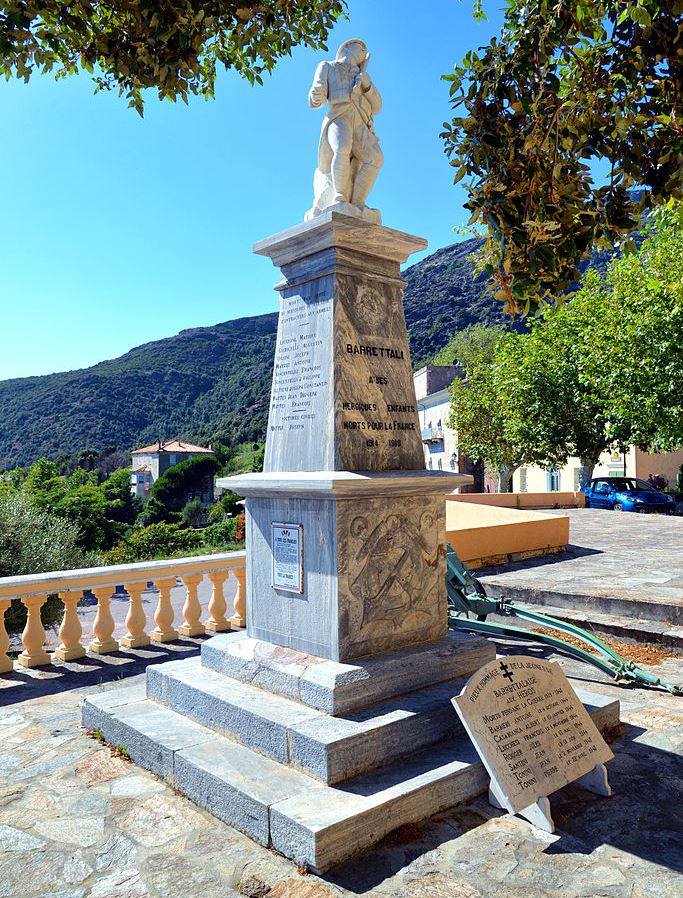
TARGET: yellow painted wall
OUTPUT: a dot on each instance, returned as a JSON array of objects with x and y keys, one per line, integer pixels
[
  {"x": 484, "y": 534},
  {"x": 666, "y": 463},
  {"x": 524, "y": 500}
]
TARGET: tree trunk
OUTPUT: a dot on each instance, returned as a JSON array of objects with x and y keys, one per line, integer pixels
[
  {"x": 505, "y": 478},
  {"x": 586, "y": 472}
]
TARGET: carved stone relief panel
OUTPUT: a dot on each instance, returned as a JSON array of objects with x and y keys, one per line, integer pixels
[{"x": 392, "y": 588}]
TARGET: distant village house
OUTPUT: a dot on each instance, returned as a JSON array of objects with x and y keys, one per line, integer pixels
[{"x": 150, "y": 462}]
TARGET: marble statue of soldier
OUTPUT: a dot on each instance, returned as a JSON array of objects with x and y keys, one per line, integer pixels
[{"x": 349, "y": 155}]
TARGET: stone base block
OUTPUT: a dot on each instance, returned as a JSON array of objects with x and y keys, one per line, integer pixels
[
  {"x": 337, "y": 687},
  {"x": 103, "y": 648},
  {"x": 332, "y": 749},
  {"x": 212, "y": 627},
  {"x": 37, "y": 660},
  {"x": 314, "y": 824},
  {"x": 185, "y": 630},
  {"x": 69, "y": 654},
  {"x": 135, "y": 642},
  {"x": 168, "y": 636}
]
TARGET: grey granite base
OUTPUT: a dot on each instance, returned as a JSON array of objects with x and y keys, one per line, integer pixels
[
  {"x": 330, "y": 748},
  {"x": 316, "y": 825},
  {"x": 337, "y": 687}
]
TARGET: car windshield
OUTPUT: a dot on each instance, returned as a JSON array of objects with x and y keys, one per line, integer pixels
[{"x": 627, "y": 485}]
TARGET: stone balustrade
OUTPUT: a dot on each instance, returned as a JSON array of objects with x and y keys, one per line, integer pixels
[{"x": 33, "y": 591}]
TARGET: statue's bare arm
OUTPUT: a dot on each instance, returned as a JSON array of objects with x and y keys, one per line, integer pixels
[{"x": 317, "y": 95}]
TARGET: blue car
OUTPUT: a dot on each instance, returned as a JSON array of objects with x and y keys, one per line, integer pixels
[{"x": 626, "y": 494}]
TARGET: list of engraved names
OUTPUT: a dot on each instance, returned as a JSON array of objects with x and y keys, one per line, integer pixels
[
  {"x": 530, "y": 728},
  {"x": 301, "y": 371}
]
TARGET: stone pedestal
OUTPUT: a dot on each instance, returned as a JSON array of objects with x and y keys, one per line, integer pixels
[
  {"x": 374, "y": 571},
  {"x": 344, "y": 460}
]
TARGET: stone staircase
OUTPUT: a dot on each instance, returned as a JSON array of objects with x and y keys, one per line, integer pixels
[{"x": 259, "y": 748}]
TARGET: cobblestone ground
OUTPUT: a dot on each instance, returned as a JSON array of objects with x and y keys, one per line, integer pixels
[{"x": 77, "y": 821}]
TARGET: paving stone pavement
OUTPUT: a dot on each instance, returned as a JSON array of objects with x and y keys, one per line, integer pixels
[
  {"x": 615, "y": 562},
  {"x": 76, "y": 821}
]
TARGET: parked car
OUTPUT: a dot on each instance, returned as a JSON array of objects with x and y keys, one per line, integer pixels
[{"x": 626, "y": 494}]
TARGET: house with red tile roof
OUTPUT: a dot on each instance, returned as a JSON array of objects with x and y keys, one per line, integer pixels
[{"x": 150, "y": 462}]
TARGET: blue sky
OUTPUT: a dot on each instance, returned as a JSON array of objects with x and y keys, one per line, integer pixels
[{"x": 117, "y": 230}]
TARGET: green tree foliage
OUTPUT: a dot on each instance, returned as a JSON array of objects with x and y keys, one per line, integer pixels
[
  {"x": 477, "y": 413},
  {"x": 566, "y": 83},
  {"x": 242, "y": 459},
  {"x": 632, "y": 326},
  {"x": 179, "y": 484},
  {"x": 122, "y": 506},
  {"x": 606, "y": 368},
  {"x": 550, "y": 412},
  {"x": 224, "y": 507},
  {"x": 225, "y": 534},
  {"x": 193, "y": 514},
  {"x": 159, "y": 540},
  {"x": 101, "y": 512},
  {"x": 175, "y": 47},
  {"x": 33, "y": 540}
]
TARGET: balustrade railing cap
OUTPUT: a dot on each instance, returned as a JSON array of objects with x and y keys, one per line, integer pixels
[{"x": 115, "y": 575}]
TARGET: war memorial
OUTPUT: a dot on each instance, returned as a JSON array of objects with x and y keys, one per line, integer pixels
[{"x": 330, "y": 722}]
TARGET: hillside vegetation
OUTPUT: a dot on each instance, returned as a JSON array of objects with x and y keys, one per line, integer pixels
[{"x": 210, "y": 383}]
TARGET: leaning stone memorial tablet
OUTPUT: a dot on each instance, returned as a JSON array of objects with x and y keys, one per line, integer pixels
[
  {"x": 532, "y": 733},
  {"x": 288, "y": 557}
]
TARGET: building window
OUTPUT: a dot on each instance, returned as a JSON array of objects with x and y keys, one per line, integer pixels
[
  {"x": 523, "y": 480},
  {"x": 553, "y": 480},
  {"x": 171, "y": 459}
]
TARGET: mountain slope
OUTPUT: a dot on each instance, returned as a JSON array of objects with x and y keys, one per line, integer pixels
[
  {"x": 443, "y": 297},
  {"x": 201, "y": 380},
  {"x": 210, "y": 382}
]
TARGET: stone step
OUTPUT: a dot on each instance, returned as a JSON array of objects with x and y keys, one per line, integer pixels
[
  {"x": 624, "y": 602},
  {"x": 332, "y": 749},
  {"x": 314, "y": 824},
  {"x": 338, "y": 687}
]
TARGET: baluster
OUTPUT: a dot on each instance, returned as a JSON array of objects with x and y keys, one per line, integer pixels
[
  {"x": 217, "y": 622},
  {"x": 136, "y": 619},
  {"x": 33, "y": 637},
  {"x": 70, "y": 631},
  {"x": 103, "y": 626},
  {"x": 192, "y": 609},
  {"x": 164, "y": 614},
  {"x": 239, "y": 618},
  {"x": 5, "y": 662}
]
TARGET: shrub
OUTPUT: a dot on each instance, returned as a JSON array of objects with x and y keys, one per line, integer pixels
[
  {"x": 160, "y": 540},
  {"x": 241, "y": 528},
  {"x": 226, "y": 505},
  {"x": 224, "y": 533},
  {"x": 184, "y": 481},
  {"x": 33, "y": 541},
  {"x": 193, "y": 515}
]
